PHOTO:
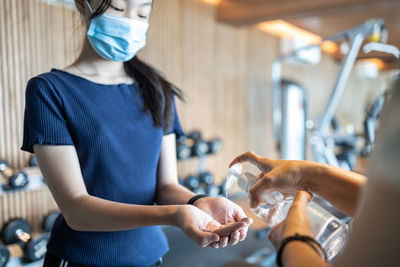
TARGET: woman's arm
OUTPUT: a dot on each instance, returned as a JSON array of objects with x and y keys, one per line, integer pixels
[
  {"x": 60, "y": 168},
  {"x": 169, "y": 191},
  {"x": 83, "y": 212},
  {"x": 340, "y": 187}
]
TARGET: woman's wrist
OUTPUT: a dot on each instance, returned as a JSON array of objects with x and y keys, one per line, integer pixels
[{"x": 171, "y": 214}]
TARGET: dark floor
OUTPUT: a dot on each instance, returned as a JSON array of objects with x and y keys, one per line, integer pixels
[{"x": 185, "y": 253}]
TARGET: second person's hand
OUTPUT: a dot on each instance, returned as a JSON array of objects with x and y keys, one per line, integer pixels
[
  {"x": 340, "y": 187},
  {"x": 284, "y": 175}
]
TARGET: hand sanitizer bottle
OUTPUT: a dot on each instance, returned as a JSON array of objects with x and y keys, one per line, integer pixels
[{"x": 329, "y": 231}]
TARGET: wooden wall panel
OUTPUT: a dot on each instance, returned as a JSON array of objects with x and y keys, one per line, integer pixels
[
  {"x": 34, "y": 37},
  {"x": 261, "y": 52},
  {"x": 31, "y": 206}
]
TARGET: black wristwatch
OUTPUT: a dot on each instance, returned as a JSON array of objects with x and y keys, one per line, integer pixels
[{"x": 196, "y": 197}]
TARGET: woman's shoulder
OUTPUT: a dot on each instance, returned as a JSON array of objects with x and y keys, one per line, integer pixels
[
  {"x": 43, "y": 84},
  {"x": 45, "y": 78}
]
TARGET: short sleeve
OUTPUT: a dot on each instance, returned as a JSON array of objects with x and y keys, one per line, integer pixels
[
  {"x": 176, "y": 125},
  {"x": 44, "y": 122}
]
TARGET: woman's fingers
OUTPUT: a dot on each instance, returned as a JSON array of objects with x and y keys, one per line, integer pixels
[
  {"x": 234, "y": 238},
  {"x": 203, "y": 238},
  {"x": 229, "y": 228},
  {"x": 243, "y": 233},
  {"x": 238, "y": 215},
  {"x": 215, "y": 245},
  {"x": 230, "y": 233},
  {"x": 264, "y": 164},
  {"x": 224, "y": 241}
]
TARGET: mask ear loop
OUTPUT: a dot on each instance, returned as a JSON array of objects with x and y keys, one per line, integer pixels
[
  {"x": 91, "y": 11},
  {"x": 89, "y": 6},
  {"x": 83, "y": 20}
]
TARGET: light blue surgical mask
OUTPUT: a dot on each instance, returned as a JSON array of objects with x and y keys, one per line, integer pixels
[{"x": 116, "y": 38}]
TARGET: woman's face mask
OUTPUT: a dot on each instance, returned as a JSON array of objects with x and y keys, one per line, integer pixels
[{"x": 116, "y": 38}]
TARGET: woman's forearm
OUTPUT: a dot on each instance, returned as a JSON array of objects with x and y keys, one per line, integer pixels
[
  {"x": 88, "y": 213},
  {"x": 173, "y": 194},
  {"x": 340, "y": 187}
]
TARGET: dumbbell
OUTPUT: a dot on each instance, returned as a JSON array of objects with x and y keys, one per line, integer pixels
[
  {"x": 4, "y": 255},
  {"x": 199, "y": 147},
  {"x": 33, "y": 162},
  {"x": 212, "y": 190},
  {"x": 214, "y": 146},
  {"x": 49, "y": 220},
  {"x": 206, "y": 178},
  {"x": 192, "y": 182},
  {"x": 16, "y": 179},
  {"x": 18, "y": 231},
  {"x": 183, "y": 151},
  {"x": 194, "y": 135},
  {"x": 199, "y": 190}
]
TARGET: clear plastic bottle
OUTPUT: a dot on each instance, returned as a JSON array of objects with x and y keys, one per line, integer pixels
[{"x": 328, "y": 230}]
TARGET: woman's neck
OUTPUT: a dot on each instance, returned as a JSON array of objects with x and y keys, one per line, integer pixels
[{"x": 92, "y": 66}]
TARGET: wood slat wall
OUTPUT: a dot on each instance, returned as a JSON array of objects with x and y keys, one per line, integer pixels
[
  {"x": 31, "y": 206},
  {"x": 216, "y": 65}
]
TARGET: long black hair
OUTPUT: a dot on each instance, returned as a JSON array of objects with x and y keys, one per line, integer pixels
[{"x": 157, "y": 92}]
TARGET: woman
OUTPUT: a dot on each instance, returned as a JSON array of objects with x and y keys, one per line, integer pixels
[
  {"x": 375, "y": 237},
  {"x": 103, "y": 131}
]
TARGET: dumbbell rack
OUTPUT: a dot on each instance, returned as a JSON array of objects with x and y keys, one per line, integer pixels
[
  {"x": 31, "y": 203},
  {"x": 202, "y": 181}
]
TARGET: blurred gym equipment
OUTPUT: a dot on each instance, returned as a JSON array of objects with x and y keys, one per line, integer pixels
[
  {"x": 18, "y": 231},
  {"x": 33, "y": 162},
  {"x": 4, "y": 255},
  {"x": 290, "y": 119},
  {"x": 183, "y": 151},
  {"x": 14, "y": 179},
  {"x": 49, "y": 220},
  {"x": 328, "y": 145},
  {"x": 193, "y": 145}
]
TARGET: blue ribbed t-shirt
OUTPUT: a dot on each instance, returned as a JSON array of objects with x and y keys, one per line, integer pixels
[{"x": 118, "y": 148}]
